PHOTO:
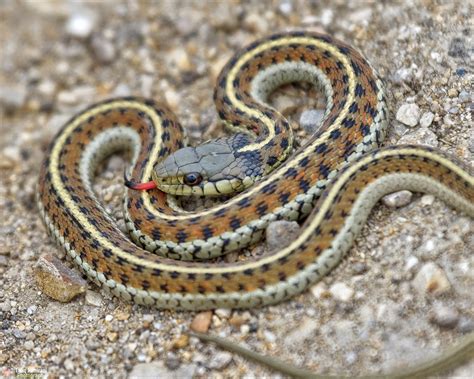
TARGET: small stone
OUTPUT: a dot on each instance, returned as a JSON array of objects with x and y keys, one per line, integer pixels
[
  {"x": 57, "y": 280},
  {"x": 31, "y": 310},
  {"x": 320, "y": 290},
  {"x": 397, "y": 199},
  {"x": 327, "y": 16},
  {"x": 411, "y": 262},
  {"x": 280, "y": 234},
  {"x": 427, "y": 200},
  {"x": 431, "y": 280},
  {"x": 201, "y": 322},
  {"x": 103, "y": 49},
  {"x": 408, "y": 114},
  {"x": 12, "y": 97},
  {"x": 121, "y": 90},
  {"x": 285, "y": 7},
  {"x": 179, "y": 58},
  {"x": 3, "y": 261},
  {"x": 47, "y": 88},
  {"x": 80, "y": 25},
  {"x": 310, "y": 120},
  {"x": 255, "y": 23},
  {"x": 423, "y": 136},
  {"x": 109, "y": 318},
  {"x": 359, "y": 268},
  {"x": 157, "y": 370},
  {"x": 29, "y": 345},
  {"x": 180, "y": 342},
  {"x": 244, "y": 329},
  {"x": 452, "y": 92},
  {"x": 172, "y": 361},
  {"x": 305, "y": 330},
  {"x": 464, "y": 96},
  {"x": 340, "y": 291},
  {"x": 465, "y": 324},
  {"x": 444, "y": 316},
  {"x": 172, "y": 98},
  {"x": 93, "y": 298},
  {"x": 220, "y": 360},
  {"x": 351, "y": 357},
  {"x": 112, "y": 336},
  {"x": 223, "y": 313},
  {"x": 19, "y": 334},
  {"x": 5, "y": 306},
  {"x": 426, "y": 119},
  {"x": 269, "y": 336},
  {"x": 69, "y": 364}
]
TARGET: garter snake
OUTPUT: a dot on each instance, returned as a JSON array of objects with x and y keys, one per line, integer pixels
[{"x": 339, "y": 169}]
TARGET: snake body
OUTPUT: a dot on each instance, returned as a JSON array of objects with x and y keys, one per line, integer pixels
[{"x": 335, "y": 177}]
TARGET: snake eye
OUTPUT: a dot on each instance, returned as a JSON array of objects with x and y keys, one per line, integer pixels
[{"x": 192, "y": 179}]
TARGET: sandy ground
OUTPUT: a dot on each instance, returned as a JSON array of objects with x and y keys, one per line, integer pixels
[{"x": 372, "y": 314}]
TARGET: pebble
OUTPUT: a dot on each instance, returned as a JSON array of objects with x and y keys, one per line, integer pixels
[
  {"x": 180, "y": 342},
  {"x": 223, "y": 313},
  {"x": 93, "y": 298},
  {"x": 69, "y": 364},
  {"x": 310, "y": 120},
  {"x": 156, "y": 369},
  {"x": 305, "y": 330},
  {"x": 31, "y": 310},
  {"x": 465, "y": 324},
  {"x": 351, "y": 357},
  {"x": 285, "y": 7},
  {"x": 104, "y": 51},
  {"x": 397, "y": 199},
  {"x": 220, "y": 360},
  {"x": 340, "y": 291},
  {"x": 19, "y": 334},
  {"x": 29, "y": 345},
  {"x": 172, "y": 361},
  {"x": 12, "y": 97},
  {"x": 77, "y": 95},
  {"x": 320, "y": 290},
  {"x": 444, "y": 316},
  {"x": 57, "y": 280},
  {"x": 255, "y": 23},
  {"x": 421, "y": 136},
  {"x": 431, "y": 280},
  {"x": 464, "y": 96},
  {"x": 281, "y": 233},
  {"x": 5, "y": 306},
  {"x": 3, "y": 261},
  {"x": 269, "y": 336},
  {"x": 201, "y": 322},
  {"x": 452, "y": 92},
  {"x": 81, "y": 24},
  {"x": 427, "y": 200},
  {"x": 411, "y": 262},
  {"x": 408, "y": 114},
  {"x": 426, "y": 119}
]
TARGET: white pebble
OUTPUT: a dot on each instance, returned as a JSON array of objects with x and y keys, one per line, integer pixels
[
  {"x": 310, "y": 120},
  {"x": 80, "y": 25},
  {"x": 93, "y": 298},
  {"x": 426, "y": 119},
  {"x": 408, "y": 114},
  {"x": 397, "y": 199},
  {"x": 342, "y": 292},
  {"x": 431, "y": 279}
]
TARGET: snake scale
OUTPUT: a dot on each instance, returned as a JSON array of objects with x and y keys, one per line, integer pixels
[{"x": 335, "y": 177}]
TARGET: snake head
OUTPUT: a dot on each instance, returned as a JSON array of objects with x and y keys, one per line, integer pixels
[{"x": 210, "y": 169}]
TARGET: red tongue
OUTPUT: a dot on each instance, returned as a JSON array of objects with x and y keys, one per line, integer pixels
[{"x": 141, "y": 186}]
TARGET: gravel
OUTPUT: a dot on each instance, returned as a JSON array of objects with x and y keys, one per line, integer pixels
[{"x": 62, "y": 57}]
